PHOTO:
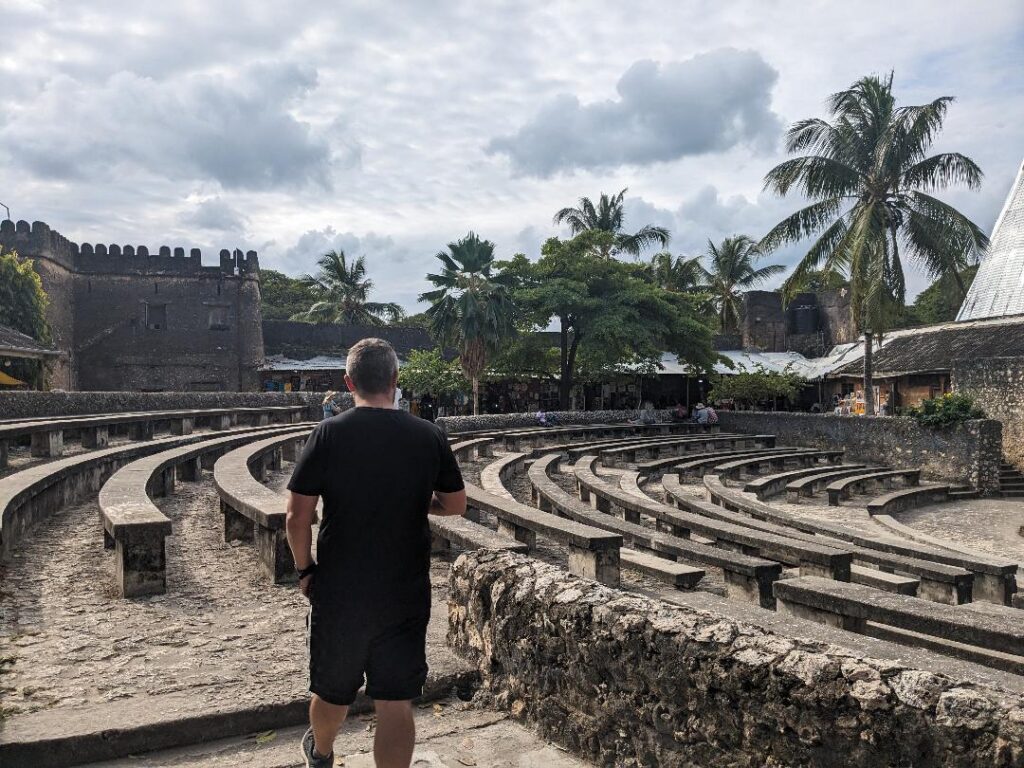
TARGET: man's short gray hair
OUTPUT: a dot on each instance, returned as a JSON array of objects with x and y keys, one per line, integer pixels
[{"x": 372, "y": 365}]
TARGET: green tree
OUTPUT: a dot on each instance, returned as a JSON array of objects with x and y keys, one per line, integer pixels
[
  {"x": 611, "y": 315},
  {"x": 677, "y": 273},
  {"x": 732, "y": 270},
  {"x": 426, "y": 370},
  {"x": 939, "y": 302},
  {"x": 341, "y": 292},
  {"x": 23, "y": 307},
  {"x": 757, "y": 386},
  {"x": 869, "y": 174},
  {"x": 470, "y": 308},
  {"x": 609, "y": 216},
  {"x": 282, "y": 296},
  {"x": 815, "y": 281}
]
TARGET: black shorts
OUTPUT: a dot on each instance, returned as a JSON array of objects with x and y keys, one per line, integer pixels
[{"x": 342, "y": 649}]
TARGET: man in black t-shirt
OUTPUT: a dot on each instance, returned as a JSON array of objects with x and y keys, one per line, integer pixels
[{"x": 380, "y": 471}]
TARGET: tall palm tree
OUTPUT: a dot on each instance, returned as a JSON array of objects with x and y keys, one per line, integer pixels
[
  {"x": 342, "y": 290},
  {"x": 470, "y": 309},
  {"x": 678, "y": 274},
  {"x": 732, "y": 270},
  {"x": 868, "y": 174},
  {"x": 608, "y": 216}
]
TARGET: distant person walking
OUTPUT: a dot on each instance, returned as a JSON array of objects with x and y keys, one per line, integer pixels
[
  {"x": 331, "y": 408},
  {"x": 380, "y": 471}
]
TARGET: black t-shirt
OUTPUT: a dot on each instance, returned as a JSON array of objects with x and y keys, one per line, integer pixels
[{"x": 376, "y": 470}]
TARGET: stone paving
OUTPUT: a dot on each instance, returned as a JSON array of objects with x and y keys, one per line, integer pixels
[
  {"x": 450, "y": 734},
  {"x": 220, "y": 633},
  {"x": 983, "y": 525}
]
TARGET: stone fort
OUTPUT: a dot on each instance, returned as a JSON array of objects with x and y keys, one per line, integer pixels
[{"x": 127, "y": 318}]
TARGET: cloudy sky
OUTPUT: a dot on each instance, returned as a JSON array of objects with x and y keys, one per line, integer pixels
[{"x": 390, "y": 129}]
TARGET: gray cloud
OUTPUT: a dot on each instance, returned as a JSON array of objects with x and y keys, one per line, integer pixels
[
  {"x": 215, "y": 215},
  {"x": 234, "y": 129},
  {"x": 709, "y": 103}
]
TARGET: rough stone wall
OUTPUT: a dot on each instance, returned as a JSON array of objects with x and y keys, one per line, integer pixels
[
  {"x": 99, "y": 295},
  {"x": 967, "y": 453},
  {"x": 453, "y": 424},
  {"x": 14, "y": 405},
  {"x": 764, "y": 321},
  {"x": 997, "y": 383},
  {"x": 623, "y": 680}
]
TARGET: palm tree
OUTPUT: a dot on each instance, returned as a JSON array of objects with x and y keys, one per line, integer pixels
[
  {"x": 470, "y": 309},
  {"x": 733, "y": 270},
  {"x": 869, "y": 174},
  {"x": 341, "y": 291},
  {"x": 608, "y": 216},
  {"x": 678, "y": 274}
]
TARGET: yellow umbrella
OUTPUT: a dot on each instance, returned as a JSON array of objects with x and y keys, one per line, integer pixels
[{"x": 9, "y": 381}]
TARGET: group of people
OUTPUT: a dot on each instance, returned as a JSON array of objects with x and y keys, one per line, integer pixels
[{"x": 702, "y": 414}]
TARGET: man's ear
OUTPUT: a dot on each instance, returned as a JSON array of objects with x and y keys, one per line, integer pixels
[{"x": 349, "y": 383}]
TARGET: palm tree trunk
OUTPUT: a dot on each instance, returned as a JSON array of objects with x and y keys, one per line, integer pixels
[
  {"x": 476, "y": 396},
  {"x": 869, "y": 383},
  {"x": 960, "y": 284}
]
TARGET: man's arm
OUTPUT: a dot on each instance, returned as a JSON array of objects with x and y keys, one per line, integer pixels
[
  {"x": 299, "y": 528},
  {"x": 448, "y": 504}
]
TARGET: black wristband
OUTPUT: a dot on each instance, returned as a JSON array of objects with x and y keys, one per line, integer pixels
[{"x": 309, "y": 570}]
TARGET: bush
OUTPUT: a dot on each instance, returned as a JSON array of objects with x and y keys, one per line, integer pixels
[{"x": 951, "y": 408}]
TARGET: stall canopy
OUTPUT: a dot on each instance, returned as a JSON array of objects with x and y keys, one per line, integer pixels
[
  {"x": 742, "y": 360},
  {"x": 9, "y": 381},
  {"x": 17, "y": 344}
]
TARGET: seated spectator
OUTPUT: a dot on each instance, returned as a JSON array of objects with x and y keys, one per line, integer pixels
[
  {"x": 700, "y": 414},
  {"x": 679, "y": 412},
  {"x": 712, "y": 415}
]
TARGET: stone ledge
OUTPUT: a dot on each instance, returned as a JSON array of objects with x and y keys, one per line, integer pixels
[{"x": 626, "y": 680}]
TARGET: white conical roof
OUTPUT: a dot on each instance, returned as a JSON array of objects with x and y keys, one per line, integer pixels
[{"x": 998, "y": 288}]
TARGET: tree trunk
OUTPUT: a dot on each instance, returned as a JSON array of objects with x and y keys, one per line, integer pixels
[
  {"x": 960, "y": 284},
  {"x": 869, "y": 383},
  {"x": 476, "y": 396}
]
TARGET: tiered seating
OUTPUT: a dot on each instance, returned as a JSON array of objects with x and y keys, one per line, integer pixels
[{"x": 631, "y": 452}]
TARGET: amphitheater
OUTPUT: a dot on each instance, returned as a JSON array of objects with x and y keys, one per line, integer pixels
[{"x": 619, "y": 594}]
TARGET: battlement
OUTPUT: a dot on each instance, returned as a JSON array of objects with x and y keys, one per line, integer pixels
[{"x": 38, "y": 240}]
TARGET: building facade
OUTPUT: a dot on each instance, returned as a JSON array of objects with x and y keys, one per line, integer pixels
[{"x": 124, "y": 318}]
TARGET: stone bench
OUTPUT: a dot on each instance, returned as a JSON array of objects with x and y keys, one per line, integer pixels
[
  {"x": 492, "y": 477},
  {"x": 465, "y": 534},
  {"x": 679, "y": 447},
  {"x": 908, "y": 498},
  {"x": 537, "y": 437},
  {"x": 945, "y": 576},
  {"x": 844, "y": 487},
  {"x": 593, "y": 553},
  {"x": 479, "y": 446},
  {"x": 773, "y": 484},
  {"x": 807, "y": 486},
  {"x": 650, "y": 552},
  {"x": 698, "y": 465},
  {"x": 736, "y": 469},
  {"x": 134, "y": 527},
  {"x": 47, "y": 435},
  {"x": 859, "y": 574},
  {"x": 985, "y": 637}
]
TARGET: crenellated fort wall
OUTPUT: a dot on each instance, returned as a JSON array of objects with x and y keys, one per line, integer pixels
[{"x": 130, "y": 318}]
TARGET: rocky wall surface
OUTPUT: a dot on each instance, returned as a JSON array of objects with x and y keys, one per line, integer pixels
[
  {"x": 452, "y": 424},
  {"x": 624, "y": 680},
  {"x": 14, "y": 405},
  {"x": 997, "y": 383},
  {"x": 967, "y": 453}
]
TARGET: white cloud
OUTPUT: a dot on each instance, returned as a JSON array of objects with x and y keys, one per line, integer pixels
[{"x": 215, "y": 214}]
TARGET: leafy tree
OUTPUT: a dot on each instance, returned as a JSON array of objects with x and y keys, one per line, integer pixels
[
  {"x": 23, "y": 307},
  {"x": 283, "y": 296},
  {"x": 939, "y": 302},
  {"x": 869, "y": 174},
  {"x": 611, "y": 316},
  {"x": 815, "y": 281},
  {"x": 951, "y": 408},
  {"x": 470, "y": 310},
  {"x": 732, "y": 270},
  {"x": 757, "y": 386},
  {"x": 426, "y": 370},
  {"x": 608, "y": 216},
  {"x": 678, "y": 273},
  {"x": 341, "y": 292}
]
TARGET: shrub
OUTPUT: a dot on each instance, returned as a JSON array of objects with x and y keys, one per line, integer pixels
[{"x": 951, "y": 408}]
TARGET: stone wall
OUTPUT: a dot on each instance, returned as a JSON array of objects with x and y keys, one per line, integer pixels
[
  {"x": 997, "y": 383},
  {"x": 14, "y": 405},
  {"x": 623, "y": 680},
  {"x": 967, "y": 453},
  {"x": 453, "y": 424}
]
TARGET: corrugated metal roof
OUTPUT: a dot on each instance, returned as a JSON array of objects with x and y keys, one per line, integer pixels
[
  {"x": 998, "y": 288},
  {"x": 19, "y": 344},
  {"x": 779, "y": 362}
]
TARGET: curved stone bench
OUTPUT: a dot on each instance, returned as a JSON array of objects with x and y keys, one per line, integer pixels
[
  {"x": 480, "y": 446},
  {"x": 535, "y": 438},
  {"x": 734, "y": 470},
  {"x": 655, "y": 552},
  {"x": 945, "y": 576},
  {"x": 859, "y": 574},
  {"x": 492, "y": 477},
  {"x": 908, "y": 498},
  {"x": 747, "y": 577},
  {"x": 133, "y": 525},
  {"x": 679, "y": 447},
  {"x": 47, "y": 435},
  {"x": 698, "y": 465},
  {"x": 771, "y": 485},
  {"x": 845, "y": 487},
  {"x": 807, "y": 486},
  {"x": 985, "y": 637}
]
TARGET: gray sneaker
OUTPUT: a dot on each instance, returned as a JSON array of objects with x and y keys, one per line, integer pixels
[{"x": 313, "y": 760}]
